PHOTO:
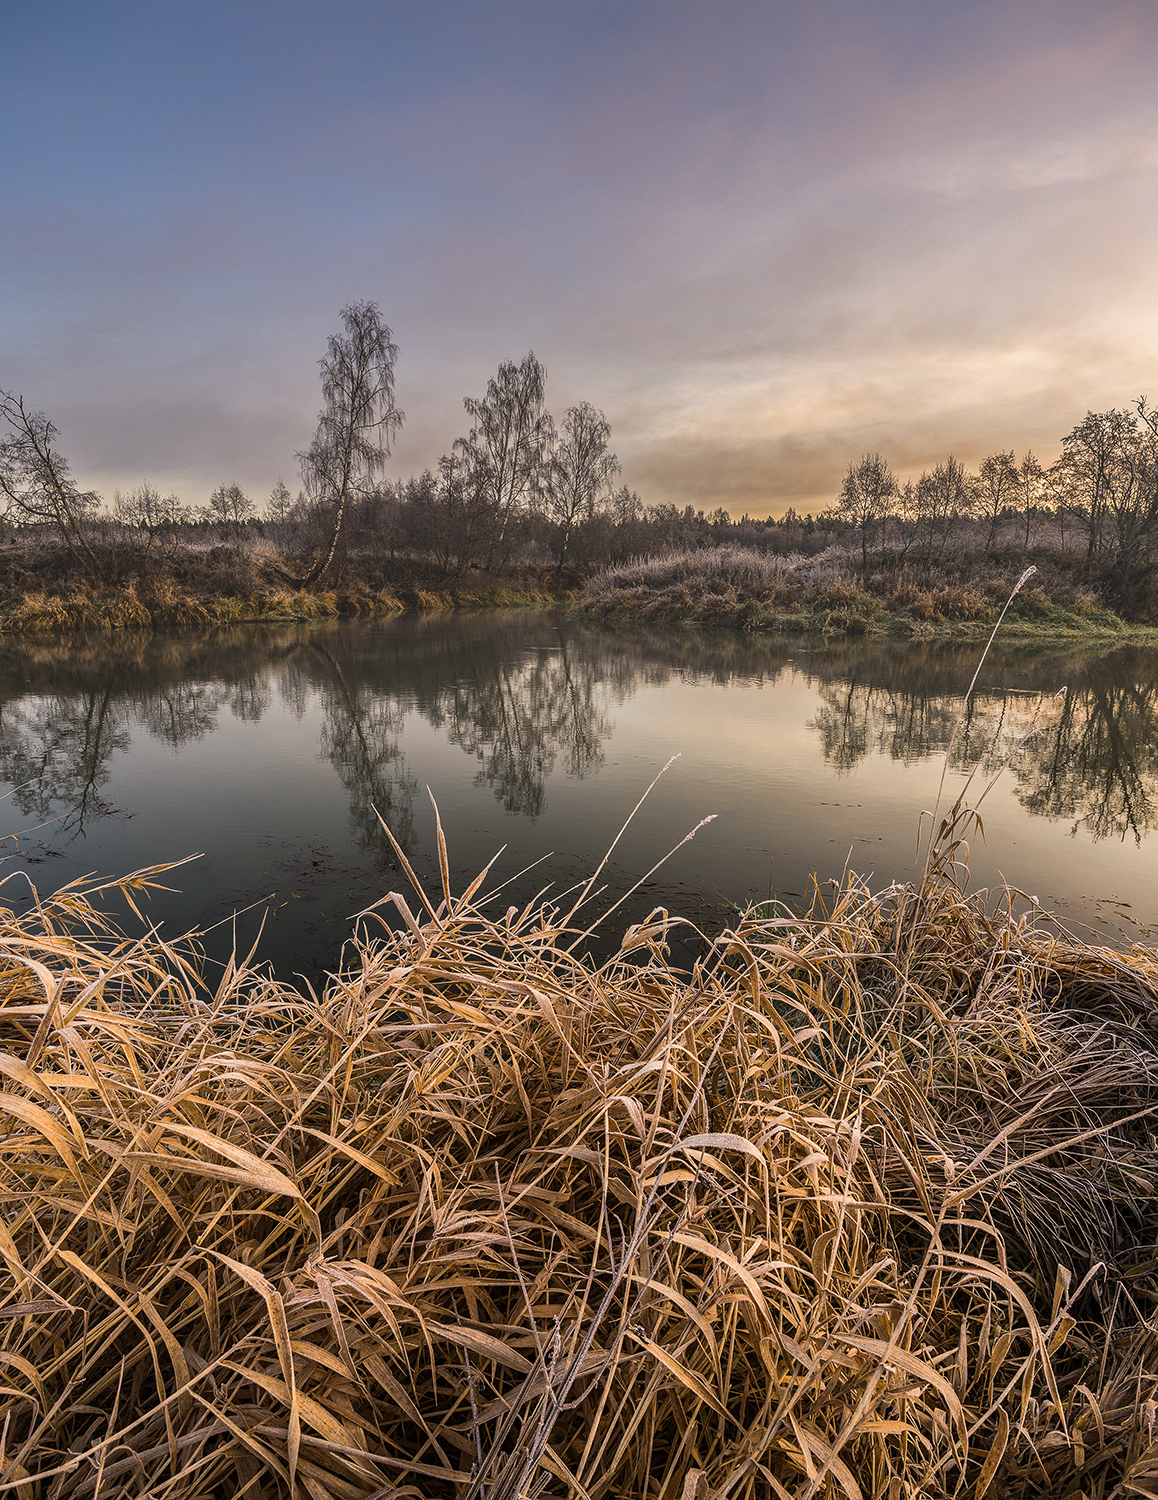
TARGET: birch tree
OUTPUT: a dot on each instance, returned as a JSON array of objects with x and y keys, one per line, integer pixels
[
  {"x": 356, "y": 425},
  {"x": 509, "y": 443},
  {"x": 580, "y": 473}
]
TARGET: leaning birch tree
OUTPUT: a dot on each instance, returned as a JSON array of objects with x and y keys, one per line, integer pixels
[{"x": 356, "y": 424}]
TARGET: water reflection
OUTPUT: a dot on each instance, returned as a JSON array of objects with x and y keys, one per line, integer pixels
[
  {"x": 56, "y": 752},
  {"x": 1097, "y": 766},
  {"x": 518, "y": 710},
  {"x": 361, "y": 738},
  {"x": 524, "y": 696},
  {"x": 1086, "y": 753},
  {"x": 65, "y": 711},
  {"x": 520, "y": 720}
]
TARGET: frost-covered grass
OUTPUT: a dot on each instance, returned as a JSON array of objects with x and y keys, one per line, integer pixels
[
  {"x": 863, "y": 1206},
  {"x": 727, "y": 567},
  {"x": 749, "y": 589}
]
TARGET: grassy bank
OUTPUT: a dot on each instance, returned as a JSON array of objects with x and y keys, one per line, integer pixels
[
  {"x": 133, "y": 606},
  {"x": 43, "y": 591},
  {"x": 865, "y": 1205},
  {"x": 955, "y": 598}
]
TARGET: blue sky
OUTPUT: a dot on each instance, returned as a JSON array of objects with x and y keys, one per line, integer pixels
[{"x": 764, "y": 238}]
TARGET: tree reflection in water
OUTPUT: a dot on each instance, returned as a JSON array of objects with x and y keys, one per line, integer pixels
[
  {"x": 55, "y": 753},
  {"x": 65, "y": 710},
  {"x": 520, "y": 708},
  {"x": 1097, "y": 765},
  {"x": 525, "y": 695},
  {"x": 361, "y": 740},
  {"x": 1087, "y": 754},
  {"x": 522, "y": 717}
]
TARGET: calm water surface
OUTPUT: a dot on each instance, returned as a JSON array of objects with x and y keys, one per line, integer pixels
[{"x": 267, "y": 749}]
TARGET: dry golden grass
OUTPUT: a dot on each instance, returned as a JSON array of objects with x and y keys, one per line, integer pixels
[
  {"x": 118, "y": 608},
  {"x": 486, "y": 597},
  {"x": 863, "y": 1206},
  {"x": 165, "y": 605}
]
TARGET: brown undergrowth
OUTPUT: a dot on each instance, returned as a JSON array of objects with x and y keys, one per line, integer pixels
[
  {"x": 89, "y": 609},
  {"x": 829, "y": 593},
  {"x": 166, "y": 606},
  {"x": 43, "y": 592},
  {"x": 862, "y": 1206}
]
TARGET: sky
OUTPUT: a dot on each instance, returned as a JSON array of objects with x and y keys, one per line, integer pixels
[{"x": 763, "y": 238}]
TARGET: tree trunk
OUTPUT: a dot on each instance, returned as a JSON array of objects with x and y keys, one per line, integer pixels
[{"x": 319, "y": 568}]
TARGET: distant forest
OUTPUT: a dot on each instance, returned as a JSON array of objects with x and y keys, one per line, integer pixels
[{"x": 522, "y": 491}]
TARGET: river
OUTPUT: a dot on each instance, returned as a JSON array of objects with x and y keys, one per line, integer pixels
[{"x": 270, "y": 750}]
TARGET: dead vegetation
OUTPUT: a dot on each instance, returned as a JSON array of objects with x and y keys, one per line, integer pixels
[
  {"x": 163, "y": 604},
  {"x": 88, "y": 609},
  {"x": 864, "y": 1205},
  {"x": 960, "y": 593},
  {"x": 43, "y": 592}
]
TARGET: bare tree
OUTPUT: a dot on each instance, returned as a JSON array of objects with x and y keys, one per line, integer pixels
[
  {"x": 508, "y": 444},
  {"x": 942, "y": 497},
  {"x": 280, "y": 502},
  {"x": 579, "y": 474},
  {"x": 356, "y": 424},
  {"x": 152, "y": 516},
  {"x": 35, "y": 483},
  {"x": 1095, "y": 475},
  {"x": 998, "y": 484},
  {"x": 1134, "y": 500},
  {"x": 628, "y": 525},
  {"x": 866, "y": 495},
  {"x": 1146, "y": 468},
  {"x": 1029, "y": 482},
  {"x": 466, "y": 507},
  {"x": 908, "y": 509},
  {"x": 229, "y": 508}
]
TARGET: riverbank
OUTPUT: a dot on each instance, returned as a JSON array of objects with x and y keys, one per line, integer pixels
[
  {"x": 42, "y": 592},
  {"x": 735, "y": 588},
  {"x": 133, "y": 606},
  {"x": 1037, "y": 622},
  {"x": 865, "y": 1204}
]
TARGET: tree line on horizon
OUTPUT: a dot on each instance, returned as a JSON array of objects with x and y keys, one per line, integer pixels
[
  {"x": 514, "y": 463},
  {"x": 1104, "y": 483},
  {"x": 519, "y": 488}
]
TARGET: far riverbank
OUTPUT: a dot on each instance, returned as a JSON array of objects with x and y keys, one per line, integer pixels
[
  {"x": 727, "y": 588},
  {"x": 133, "y": 608},
  {"x": 737, "y": 588}
]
